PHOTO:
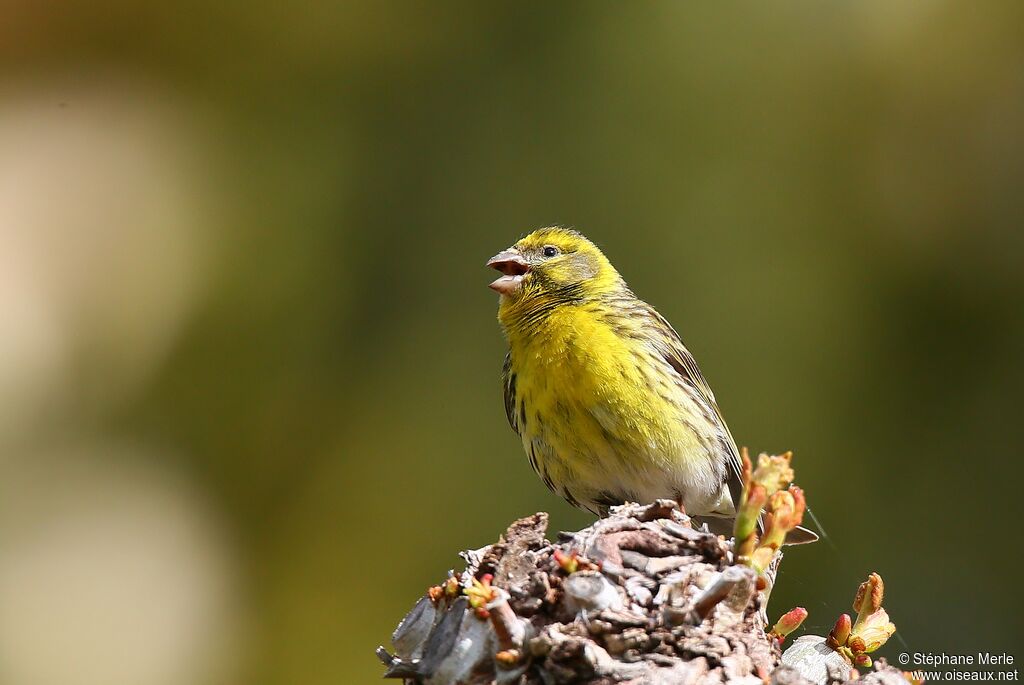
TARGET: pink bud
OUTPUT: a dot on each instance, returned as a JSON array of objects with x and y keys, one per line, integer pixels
[
  {"x": 862, "y": 660},
  {"x": 840, "y": 632},
  {"x": 789, "y": 622}
]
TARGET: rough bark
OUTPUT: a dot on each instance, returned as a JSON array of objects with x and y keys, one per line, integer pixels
[{"x": 652, "y": 601}]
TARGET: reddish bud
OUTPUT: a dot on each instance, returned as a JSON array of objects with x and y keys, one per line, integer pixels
[
  {"x": 840, "y": 633},
  {"x": 567, "y": 562},
  {"x": 869, "y": 596},
  {"x": 789, "y": 622}
]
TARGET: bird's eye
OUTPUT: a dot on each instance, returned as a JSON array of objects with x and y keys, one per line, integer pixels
[{"x": 550, "y": 251}]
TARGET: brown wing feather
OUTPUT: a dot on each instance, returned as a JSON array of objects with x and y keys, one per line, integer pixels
[{"x": 685, "y": 365}]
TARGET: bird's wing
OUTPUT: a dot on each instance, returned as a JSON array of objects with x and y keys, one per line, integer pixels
[
  {"x": 508, "y": 382},
  {"x": 685, "y": 365}
]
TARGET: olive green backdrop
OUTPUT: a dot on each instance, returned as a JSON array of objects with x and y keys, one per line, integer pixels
[{"x": 250, "y": 364}]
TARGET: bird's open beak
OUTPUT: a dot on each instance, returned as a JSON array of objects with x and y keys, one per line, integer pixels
[{"x": 512, "y": 264}]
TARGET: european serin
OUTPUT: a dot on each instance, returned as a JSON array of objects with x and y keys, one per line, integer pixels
[{"x": 610, "y": 405}]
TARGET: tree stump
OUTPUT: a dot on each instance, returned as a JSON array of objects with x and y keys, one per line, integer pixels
[{"x": 639, "y": 597}]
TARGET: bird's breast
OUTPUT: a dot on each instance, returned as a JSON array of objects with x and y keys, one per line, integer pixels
[
  {"x": 596, "y": 394},
  {"x": 602, "y": 413}
]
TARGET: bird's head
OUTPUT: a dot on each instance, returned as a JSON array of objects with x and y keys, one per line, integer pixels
[{"x": 553, "y": 264}]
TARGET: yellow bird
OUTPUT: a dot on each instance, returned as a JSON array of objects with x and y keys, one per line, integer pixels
[{"x": 610, "y": 405}]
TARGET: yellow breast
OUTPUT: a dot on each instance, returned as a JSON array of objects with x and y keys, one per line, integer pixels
[{"x": 601, "y": 412}]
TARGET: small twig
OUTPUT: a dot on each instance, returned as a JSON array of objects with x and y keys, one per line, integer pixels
[
  {"x": 396, "y": 668},
  {"x": 718, "y": 591},
  {"x": 507, "y": 627}
]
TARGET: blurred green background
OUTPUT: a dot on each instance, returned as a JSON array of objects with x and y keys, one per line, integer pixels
[{"x": 249, "y": 395}]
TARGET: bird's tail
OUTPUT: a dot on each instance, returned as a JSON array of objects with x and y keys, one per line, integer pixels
[{"x": 801, "y": 536}]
